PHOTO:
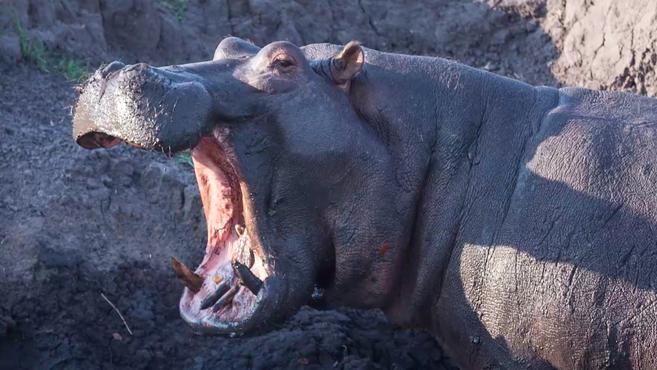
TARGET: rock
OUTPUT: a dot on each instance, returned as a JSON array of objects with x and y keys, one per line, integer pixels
[
  {"x": 605, "y": 44},
  {"x": 132, "y": 25}
]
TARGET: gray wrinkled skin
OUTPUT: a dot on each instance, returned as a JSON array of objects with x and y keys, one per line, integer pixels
[
  {"x": 143, "y": 107},
  {"x": 518, "y": 223}
]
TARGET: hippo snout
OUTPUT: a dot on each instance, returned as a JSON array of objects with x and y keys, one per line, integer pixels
[{"x": 145, "y": 106}]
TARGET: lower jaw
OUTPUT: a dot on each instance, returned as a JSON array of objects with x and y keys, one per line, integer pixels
[{"x": 223, "y": 299}]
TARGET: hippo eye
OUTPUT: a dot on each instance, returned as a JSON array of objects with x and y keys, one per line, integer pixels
[{"x": 282, "y": 63}]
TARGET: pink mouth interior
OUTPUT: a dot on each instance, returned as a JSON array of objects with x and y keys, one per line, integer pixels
[{"x": 219, "y": 187}]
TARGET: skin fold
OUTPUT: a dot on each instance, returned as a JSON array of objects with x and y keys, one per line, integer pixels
[{"x": 517, "y": 223}]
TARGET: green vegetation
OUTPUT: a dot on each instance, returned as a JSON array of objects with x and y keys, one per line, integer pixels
[
  {"x": 185, "y": 158},
  {"x": 36, "y": 52},
  {"x": 73, "y": 69},
  {"x": 32, "y": 50},
  {"x": 178, "y": 7}
]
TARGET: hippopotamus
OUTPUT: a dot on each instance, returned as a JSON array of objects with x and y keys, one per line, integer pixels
[{"x": 517, "y": 223}]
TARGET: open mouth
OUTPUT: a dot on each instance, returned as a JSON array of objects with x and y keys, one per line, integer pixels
[
  {"x": 244, "y": 281},
  {"x": 222, "y": 294}
]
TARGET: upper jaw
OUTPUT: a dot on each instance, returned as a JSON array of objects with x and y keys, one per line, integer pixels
[{"x": 143, "y": 106}]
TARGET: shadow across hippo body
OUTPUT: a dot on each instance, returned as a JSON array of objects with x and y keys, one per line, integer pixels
[{"x": 518, "y": 223}]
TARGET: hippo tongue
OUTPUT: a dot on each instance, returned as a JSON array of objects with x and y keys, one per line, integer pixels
[{"x": 231, "y": 275}]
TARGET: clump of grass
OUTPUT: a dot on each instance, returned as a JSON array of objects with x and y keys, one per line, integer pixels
[
  {"x": 33, "y": 50},
  {"x": 185, "y": 158},
  {"x": 36, "y": 52},
  {"x": 178, "y": 7},
  {"x": 73, "y": 69}
]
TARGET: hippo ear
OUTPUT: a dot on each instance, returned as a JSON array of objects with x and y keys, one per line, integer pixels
[
  {"x": 234, "y": 47},
  {"x": 347, "y": 64}
]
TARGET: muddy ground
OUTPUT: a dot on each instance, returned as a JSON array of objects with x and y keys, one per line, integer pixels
[{"x": 76, "y": 224}]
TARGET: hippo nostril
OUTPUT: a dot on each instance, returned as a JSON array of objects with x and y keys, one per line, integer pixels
[
  {"x": 137, "y": 67},
  {"x": 112, "y": 67}
]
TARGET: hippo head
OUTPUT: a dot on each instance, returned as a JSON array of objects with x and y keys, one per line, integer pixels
[{"x": 283, "y": 163}]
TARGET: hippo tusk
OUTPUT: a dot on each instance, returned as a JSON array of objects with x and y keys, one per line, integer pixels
[
  {"x": 247, "y": 278},
  {"x": 225, "y": 299},
  {"x": 191, "y": 280},
  {"x": 208, "y": 301}
]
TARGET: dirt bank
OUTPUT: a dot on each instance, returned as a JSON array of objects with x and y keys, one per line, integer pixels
[
  {"x": 603, "y": 44},
  {"x": 507, "y": 40}
]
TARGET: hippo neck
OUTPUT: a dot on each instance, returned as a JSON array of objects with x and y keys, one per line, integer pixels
[
  {"x": 427, "y": 100},
  {"x": 431, "y": 112}
]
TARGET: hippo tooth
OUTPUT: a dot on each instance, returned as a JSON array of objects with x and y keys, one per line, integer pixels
[
  {"x": 191, "y": 280},
  {"x": 251, "y": 258},
  {"x": 245, "y": 256},
  {"x": 247, "y": 278},
  {"x": 214, "y": 297},
  {"x": 217, "y": 278},
  {"x": 239, "y": 229},
  {"x": 225, "y": 299},
  {"x": 242, "y": 252}
]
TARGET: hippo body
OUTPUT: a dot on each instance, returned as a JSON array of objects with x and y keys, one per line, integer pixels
[
  {"x": 553, "y": 254},
  {"x": 518, "y": 223}
]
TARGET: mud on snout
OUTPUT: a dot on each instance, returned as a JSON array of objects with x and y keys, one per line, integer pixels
[{"x": 236, "y": 288}]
